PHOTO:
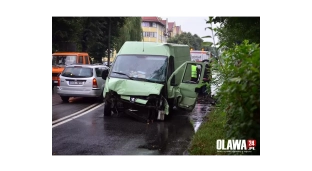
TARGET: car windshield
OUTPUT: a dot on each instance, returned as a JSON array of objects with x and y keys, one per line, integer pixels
[
  {"x": 63, "y": 60},
  {"x": 140, "y": 67},
  {"x": 77, "y": 72}
]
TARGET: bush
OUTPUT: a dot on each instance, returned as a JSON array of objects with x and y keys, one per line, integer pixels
[
  {"x": 204, "y": 142},
  {"x": 237, "y": 114},
  {"x": 239, "y": 92}
]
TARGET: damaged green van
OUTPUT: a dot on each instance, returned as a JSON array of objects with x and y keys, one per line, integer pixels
[{"x": 148, "y": 79}]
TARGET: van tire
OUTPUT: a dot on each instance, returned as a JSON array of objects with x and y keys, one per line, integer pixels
[
  {"x": 107, "y": 109},
  {"x": 65, "y": 98}
]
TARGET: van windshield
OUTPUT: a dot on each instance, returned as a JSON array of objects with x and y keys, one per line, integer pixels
[
  {"x": 140, "y": 67},
  {"x": 63, "y": 60}
]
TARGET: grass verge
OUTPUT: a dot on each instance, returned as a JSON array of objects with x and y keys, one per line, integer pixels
[{"x": 204, "y": 141}]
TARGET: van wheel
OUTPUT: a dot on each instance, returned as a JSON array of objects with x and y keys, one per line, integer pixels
[
  {"x": 65, "y": 98},
  {"x": 107, "y": 109}
]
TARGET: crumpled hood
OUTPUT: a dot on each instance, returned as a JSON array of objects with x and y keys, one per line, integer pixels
[{"x": 133, "y": 87}]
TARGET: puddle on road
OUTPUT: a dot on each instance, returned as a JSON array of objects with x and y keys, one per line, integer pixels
[
  {"x": 198, "y": 114},
  {"x": 196, "y": 126}
]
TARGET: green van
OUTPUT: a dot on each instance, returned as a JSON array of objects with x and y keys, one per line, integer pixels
[{"x": 148, "y": 79}]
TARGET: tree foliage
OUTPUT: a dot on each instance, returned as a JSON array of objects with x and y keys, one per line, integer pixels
[
  {"x": 193, "y": 41},
  {"x": 131, "y": 31},
  {"x": 89, "y": 34},
  {"x": 239, "y": 93},
  {"x": 65, "y": 29},
  {"x": 234, "y": 30},
  {"x": 237, "y": 75}
]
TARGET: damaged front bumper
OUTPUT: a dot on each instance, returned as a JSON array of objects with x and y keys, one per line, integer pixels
[{"x": 143, "y": 108}]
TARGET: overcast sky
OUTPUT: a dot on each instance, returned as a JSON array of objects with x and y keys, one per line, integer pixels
[{"x": 195, "y": 25}]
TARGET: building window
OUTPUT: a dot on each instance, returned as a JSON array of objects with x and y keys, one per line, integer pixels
[
  {"x": 154, "y": 24},
  {"x": 145, "y": 24},
  {"x": 150, "y": 34}
]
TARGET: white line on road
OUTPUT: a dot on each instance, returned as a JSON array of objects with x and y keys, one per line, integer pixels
[
  {"x": 82, "y": 110},
  {"x": 62, "y": 122}
]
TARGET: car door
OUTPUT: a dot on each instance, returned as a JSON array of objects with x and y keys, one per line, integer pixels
[{"x": 185, "y": 90}]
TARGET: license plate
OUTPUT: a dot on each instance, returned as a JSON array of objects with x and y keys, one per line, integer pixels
[
  {"x": 75, "y": 82},
  {"x": 55, "y": 81}
]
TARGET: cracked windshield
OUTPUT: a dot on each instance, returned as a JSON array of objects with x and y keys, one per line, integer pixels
[
  {"x": 155, "y": 85},
  {"x": 150, "y": 68}
]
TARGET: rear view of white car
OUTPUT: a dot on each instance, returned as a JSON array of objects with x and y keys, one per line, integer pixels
[{"x": 81, "y": 81}]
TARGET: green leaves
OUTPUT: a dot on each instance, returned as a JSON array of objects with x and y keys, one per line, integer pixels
[
  {"x": 206, "y": 37},
  {"x": 207, "y": 43},
  {"x": 208, "y": 28},
  {"x": 236, "y": 29},
  {"x": 193, "y": 41},
  {"x": 237, "y": 79},
  {"x": 89, "y": 33},
  {"x": 239, "y": 90}
]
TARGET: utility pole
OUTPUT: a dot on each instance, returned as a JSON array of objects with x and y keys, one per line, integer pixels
[{"x": 109, "y": 37}]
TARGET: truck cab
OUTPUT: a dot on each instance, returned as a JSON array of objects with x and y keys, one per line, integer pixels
[{"x": 61, "y": 59}]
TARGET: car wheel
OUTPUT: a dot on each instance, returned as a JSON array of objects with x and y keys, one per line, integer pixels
[
  {"x": 107, "y": 109},
  {"x": 65, "y": 98}
]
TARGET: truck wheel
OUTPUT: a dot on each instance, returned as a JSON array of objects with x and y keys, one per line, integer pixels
[
  {"x": 107, "y": 109},
  {"x": 65, "y": 98}
]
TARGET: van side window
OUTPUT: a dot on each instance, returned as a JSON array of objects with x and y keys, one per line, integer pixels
[
  {"x": 86, "y": 59},
  {"x": 80, "y": 60},
  {"x": 98, "y": 72}
]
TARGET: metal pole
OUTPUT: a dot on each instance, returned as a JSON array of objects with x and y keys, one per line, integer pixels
[{"x": 109, "y": 37}]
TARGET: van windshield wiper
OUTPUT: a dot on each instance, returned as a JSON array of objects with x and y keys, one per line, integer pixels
[
  {"x": 123, "y": 74},
  {"x": 147, "y": 80}
]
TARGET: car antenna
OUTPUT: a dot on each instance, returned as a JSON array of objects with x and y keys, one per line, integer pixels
[{"x": 143, "y": 41}]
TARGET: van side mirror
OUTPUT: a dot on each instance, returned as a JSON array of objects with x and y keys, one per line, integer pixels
[
  {"x": 172, "y": 82},
  {"x": 104, "y": 74}
]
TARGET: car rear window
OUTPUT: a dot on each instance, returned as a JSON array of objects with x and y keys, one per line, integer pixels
[{"x": 77, "y": 72}]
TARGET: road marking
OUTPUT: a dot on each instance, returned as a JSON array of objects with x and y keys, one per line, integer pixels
[
  {"x": 82, "y": 110},
  {"x": 62, "y": 122}
]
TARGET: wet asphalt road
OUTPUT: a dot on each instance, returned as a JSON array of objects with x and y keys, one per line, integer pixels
[
  {"x": 93, "y": 134},
  {"x": 61, "y": 109}
]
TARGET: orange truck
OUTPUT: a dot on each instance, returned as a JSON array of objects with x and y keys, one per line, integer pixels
[{"x": 61, "y": 59}]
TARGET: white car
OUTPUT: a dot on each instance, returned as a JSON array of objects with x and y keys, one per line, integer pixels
[{"x": 81, "y": 81}]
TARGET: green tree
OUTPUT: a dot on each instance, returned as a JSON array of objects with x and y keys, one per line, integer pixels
[
  {"x": 94, "y": 37},
  {"x": 193, "y": 41},
  {"x": 234, "y": 30},
  {"x": 131, "y": 31},
  {"x": 65, "y": 29},
  {"x": 89, "y": 34}
]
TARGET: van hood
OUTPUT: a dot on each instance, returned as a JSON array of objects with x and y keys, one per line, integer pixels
[{"x": 133, "y": 87}]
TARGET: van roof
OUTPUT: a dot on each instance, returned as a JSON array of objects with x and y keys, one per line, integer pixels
[
  {"x": 164, "y": 49},
  {"x": 70, "y": 53}
]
